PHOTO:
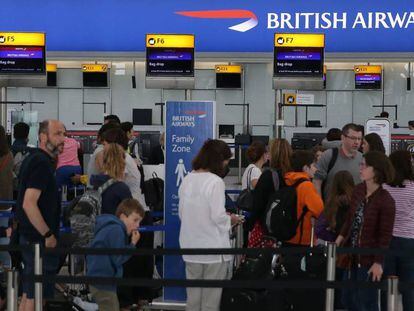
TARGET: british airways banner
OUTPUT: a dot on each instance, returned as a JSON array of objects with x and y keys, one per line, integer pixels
[
  {"x": 188, "y": 125},
  {"x": 219, "y": 26}
]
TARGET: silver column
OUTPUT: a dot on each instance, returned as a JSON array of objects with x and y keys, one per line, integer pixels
[
  {"x": 38, "y": 294},
  {"x": 12, "y": 290},
  {"x": 392, "y": 294},
  {"x": 330, "y": 276},
  {"x": 3, "y": 107}
]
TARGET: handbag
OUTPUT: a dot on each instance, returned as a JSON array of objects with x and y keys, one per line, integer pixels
[{"x": 245, "y": 200}]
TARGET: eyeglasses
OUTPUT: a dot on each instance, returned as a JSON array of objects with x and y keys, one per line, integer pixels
[{"x": 353, "y": 138}]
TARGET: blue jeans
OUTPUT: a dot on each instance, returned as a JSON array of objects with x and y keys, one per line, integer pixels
[
  {"x": 403, "y": 267},
  {"x": 359, "y": 299},
  {"x": 50, "y": 267}
]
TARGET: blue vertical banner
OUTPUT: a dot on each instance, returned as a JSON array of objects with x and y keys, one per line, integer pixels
[{"x": 188, "y": 125}]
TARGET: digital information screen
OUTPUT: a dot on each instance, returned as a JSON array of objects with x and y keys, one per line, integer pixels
[
  {"x": 22, "y": 53},
  {"x": 368, "y": 77},
  {"x": 169, "y": 55},
  {"x": 298, "y": 55},
  {"x": 228, "y": 76},
  {"x": 95, "y": 75},
  {"x": 170, "y": 62}
]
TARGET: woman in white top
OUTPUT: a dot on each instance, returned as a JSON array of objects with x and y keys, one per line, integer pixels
[
  {"x": 257, "y": 156},
  {"x": 402, "y": 191},
  {"x": 205, "y": 223}
]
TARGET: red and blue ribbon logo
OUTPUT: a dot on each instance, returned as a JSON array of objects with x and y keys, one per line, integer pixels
[{"x": 227, "y": 14}]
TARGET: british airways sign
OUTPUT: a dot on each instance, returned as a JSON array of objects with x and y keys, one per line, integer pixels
[{"x": 218, "y": 26}]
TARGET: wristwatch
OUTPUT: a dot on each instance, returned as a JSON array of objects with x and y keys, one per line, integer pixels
[{"x": 48, "y": 234}]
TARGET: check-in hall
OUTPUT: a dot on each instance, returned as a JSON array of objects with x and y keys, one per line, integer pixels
[{"x": 203, "y": 155}]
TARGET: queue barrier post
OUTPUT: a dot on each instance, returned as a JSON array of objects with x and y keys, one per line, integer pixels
[
  {"x": 38, "y": 294},
  {"x": 330, "y": 276},
  {"x": 12, "y": 290},
  {"x": 239, "y": 175},
  {"x": 392, "y": 294}
]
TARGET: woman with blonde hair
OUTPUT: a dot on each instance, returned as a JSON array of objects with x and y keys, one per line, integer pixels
[
  {"x": 270, "y": 181},
  {"x": 111, "y": 181}
]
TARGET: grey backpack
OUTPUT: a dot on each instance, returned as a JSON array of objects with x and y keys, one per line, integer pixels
[{"x": 82, "y": 213}]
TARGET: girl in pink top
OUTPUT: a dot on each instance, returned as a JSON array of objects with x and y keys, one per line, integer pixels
[
  {"x": 68, "y": 163},
  {"x": 69, "y": 156}
]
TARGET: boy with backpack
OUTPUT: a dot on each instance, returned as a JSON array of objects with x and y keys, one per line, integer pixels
[
  {"x": 309, "y": 202},
  {"x": 113, "y": 232}
]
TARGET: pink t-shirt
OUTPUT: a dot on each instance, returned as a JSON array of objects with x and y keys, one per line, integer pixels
[{"x": 69, "y": 156}]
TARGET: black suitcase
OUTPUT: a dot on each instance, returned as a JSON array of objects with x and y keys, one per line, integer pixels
[
  {"x": 234, "y": 299},
  {"x": 311, "y": 266}
]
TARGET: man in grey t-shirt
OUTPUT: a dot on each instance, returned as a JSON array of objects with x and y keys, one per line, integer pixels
[{"x": 348, "y": 159}]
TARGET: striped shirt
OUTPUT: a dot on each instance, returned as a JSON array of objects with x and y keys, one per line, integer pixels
[{"x": 404, "y": 209}]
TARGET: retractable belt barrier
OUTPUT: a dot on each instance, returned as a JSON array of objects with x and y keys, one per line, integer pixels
[
  {"x": 212, "y": 251},
  {"x": 389, "y": 285},
  {"x": 9, "y": 214}
]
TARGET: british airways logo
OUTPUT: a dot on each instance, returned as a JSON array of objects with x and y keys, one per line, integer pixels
[{"x": 226, "y": 14}]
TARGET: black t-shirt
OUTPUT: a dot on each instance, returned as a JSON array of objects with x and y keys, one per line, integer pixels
[{"x": 38, "y": 172}]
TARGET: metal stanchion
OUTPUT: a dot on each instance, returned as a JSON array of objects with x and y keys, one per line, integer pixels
[
  {"x": 38, "y": 294},
  {"x": 392, "y": 294},
  {"x": 12, "y": 290},
  {"x": 64, "y": 193},
  {"x": 240, "y": 163},
  {"x": 330, "y": 276}
]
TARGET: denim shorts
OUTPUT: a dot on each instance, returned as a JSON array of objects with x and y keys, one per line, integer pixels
[{"x": 50, "y": 267}]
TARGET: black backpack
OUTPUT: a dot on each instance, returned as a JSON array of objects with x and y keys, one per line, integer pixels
[
  {"x": 281, "y": 219},
  {"x": 154, "y": 193},
  {"x": 332, "y": 161}
]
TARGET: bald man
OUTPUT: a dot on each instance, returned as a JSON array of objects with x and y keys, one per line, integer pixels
[{"x": 38, "y": 207}]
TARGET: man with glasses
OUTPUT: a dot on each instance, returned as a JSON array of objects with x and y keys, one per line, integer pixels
[{"x": 346, "y": 158}]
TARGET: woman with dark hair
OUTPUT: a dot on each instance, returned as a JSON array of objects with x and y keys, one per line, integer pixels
[
  {"x": 205, "y": 223},
  {"x": 369, "y": 224},
  {"x": 372, "y": 142},
  {"x": 330, "y": 222},
  {"x": 402, "y": 190},
  {"x": 256, "y": 154},
  {"x": 270, "y": 181}
]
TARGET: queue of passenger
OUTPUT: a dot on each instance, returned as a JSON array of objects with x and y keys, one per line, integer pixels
[
  {"x": 354, "y": 198},
  {"x": 38, "y": 175},
  {"x": 359, "y": 209}
]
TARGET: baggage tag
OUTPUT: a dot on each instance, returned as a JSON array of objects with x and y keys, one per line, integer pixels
[{"x": 303, "y": 264}]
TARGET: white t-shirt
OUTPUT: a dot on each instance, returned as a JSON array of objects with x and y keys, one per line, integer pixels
[
  {"x": 92, "y": 169},
  {"x": 251, "y": 171},
  {"x": 133, "y": 180},
  {"x": 204, "y": 222}
]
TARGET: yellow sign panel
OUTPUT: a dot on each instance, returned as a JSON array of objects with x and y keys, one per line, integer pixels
[
  {"x": 290, "y": 98},
  {"x": 228, "y": 68},
  {"x": 94, "y": 68},
  {"x": 367, "y": 69},
  {"x": 299, "y": 40},
  {"x": 169, "y": 41},
  {"x": 51, "y": 67},
  {"x": 22, "y": 38}
]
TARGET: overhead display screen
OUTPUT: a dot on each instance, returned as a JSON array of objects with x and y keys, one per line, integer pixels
[
  {"x": 368, "y": 77},
  {"x": 170, "y": 55},
  {"x": 228, "y": 76},
  {"x": 299, "y": 55},
  {"x": 95, "y": 75},
  {"x": 22, "y": 53}
]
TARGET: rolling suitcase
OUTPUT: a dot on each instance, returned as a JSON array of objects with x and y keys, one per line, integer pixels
[{"x": 311, "y": 266}]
